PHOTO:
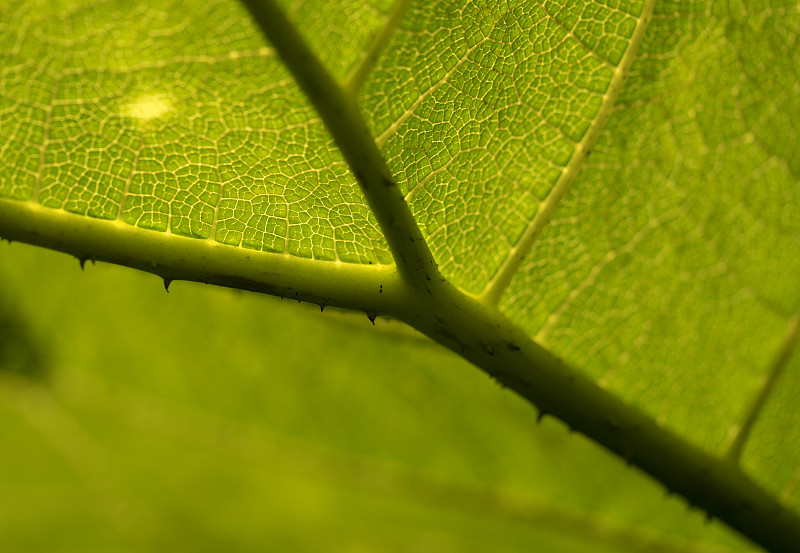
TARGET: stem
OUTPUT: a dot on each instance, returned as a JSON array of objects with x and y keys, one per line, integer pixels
[
  {"x": 375, "y": 289},
  {"x": 485, "y": 337},
  {"x": 481, "y": 334},
  {"x": 344, "y": 121}
]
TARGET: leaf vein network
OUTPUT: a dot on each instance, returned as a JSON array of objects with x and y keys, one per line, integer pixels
[
  {"x": 495, "y": 288},
  {"x": 384, "y": 137},
  {"x": 571, "y": 35}
]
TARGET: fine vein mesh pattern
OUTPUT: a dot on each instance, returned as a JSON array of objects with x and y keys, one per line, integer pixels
[
  {"x": 479, "y": 107},
  {"x": 189, "y": 125}
]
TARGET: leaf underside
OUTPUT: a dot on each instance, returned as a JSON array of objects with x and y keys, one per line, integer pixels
[{"x": 662, "y": 274}]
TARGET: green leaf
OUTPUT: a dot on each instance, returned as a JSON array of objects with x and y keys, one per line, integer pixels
[{"x": 171, "y": 138}]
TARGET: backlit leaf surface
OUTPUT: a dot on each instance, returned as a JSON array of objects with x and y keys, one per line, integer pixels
[{"x": 208, "y": 420}]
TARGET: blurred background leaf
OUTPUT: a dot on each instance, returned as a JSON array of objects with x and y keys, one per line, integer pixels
[
  {"x": 210, "y": 420},
  {"x": 133, "y": 420}
]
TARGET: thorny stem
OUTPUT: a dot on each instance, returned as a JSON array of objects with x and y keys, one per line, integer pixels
[
  {"x": 490, "y": 341},
  {"x": 416, "y": 294},
  {"x": 478, "y": 332},
  {"x": 343, "y": 119},
  {"x": 370, "y": 288}
]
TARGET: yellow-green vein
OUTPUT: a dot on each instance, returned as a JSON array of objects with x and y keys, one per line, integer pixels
[{"x": 494, "y": 290}]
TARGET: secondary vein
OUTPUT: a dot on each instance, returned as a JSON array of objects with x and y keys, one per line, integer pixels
[
  {"x": 745, "y": 427},
  {"x": 497, "y": 286},
  {"x": 355, "y": 79}
]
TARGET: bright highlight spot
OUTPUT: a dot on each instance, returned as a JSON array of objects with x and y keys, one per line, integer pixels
[{"x": 148, "y": 106}]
